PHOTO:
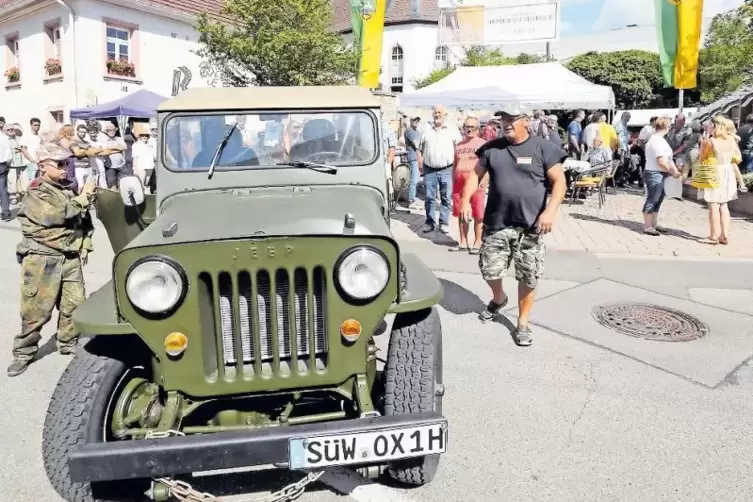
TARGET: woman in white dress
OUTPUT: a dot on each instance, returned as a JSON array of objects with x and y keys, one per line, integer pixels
[{"x": 724, "y": 148}]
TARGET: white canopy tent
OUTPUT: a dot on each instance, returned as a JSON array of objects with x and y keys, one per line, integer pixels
[
  {"x": 639, "y": 118},
  {"x": 549, "y": 86}
]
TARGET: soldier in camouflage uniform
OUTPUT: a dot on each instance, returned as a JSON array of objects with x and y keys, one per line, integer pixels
[{"x": 57, "y": 230}]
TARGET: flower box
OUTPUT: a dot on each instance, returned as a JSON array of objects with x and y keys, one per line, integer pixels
[
  {"x": 122, "y": 68},
  {"x": 13, "y": 75},
  {"x": 53, "y": 67}
]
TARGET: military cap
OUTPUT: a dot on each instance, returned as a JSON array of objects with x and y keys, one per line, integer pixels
[{"x": 52, "y": 151}]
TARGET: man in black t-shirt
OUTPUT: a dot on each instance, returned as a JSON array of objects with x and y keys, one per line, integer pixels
[{"x": 520, "y": 167}]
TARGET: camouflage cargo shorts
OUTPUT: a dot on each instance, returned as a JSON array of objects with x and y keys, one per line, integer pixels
[{"x": 501, "y": 248}]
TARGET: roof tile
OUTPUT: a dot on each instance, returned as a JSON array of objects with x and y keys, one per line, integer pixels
[{"x": 399, "y": 11}]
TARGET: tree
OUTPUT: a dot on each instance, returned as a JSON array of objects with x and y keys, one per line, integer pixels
[
  {"x": 724, "y": 62},
  {"x": 634, "y": 75},
  {"x": 478, "y": 55},
  {"x": 275, "y": 43},
  {"x": 434, "y": 76}
]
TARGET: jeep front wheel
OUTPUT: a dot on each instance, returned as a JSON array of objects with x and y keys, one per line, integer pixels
[
  {"x": 79, "y": 413},
  {"x": 413, "y": 383}
]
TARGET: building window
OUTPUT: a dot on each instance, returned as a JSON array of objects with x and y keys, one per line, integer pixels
[
  {"x": 121, "y": 42},
  {"x": 118, "y": 43},
  {"x": 53, "y": 50},
  {"x": 12, "y": 60},
  {"x": 57, "y": 116},
  {"x": 397, "y": 69},
  {"x": 14, "y": 52},
  {"x": 441, "y": 59},
  {"x": 55, "y": 39}
]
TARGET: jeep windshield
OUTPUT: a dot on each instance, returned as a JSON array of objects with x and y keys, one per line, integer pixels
[{"x": 270, "y": 140}]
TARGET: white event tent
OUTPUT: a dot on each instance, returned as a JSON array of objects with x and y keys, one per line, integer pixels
[{"x": 549, "y": 86}]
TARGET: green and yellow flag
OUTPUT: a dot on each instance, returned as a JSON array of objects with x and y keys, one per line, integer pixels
[
  {"x": 371, "y": 42},
  {"x": 678, "y": 24}
]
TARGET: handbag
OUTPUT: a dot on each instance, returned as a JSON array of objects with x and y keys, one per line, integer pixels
[{"x": 706, "y": 174}]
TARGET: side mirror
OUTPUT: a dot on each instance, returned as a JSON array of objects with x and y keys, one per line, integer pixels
[{"x": 131, "y": 191}]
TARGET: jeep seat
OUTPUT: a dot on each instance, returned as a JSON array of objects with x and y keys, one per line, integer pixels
[{"x": 318, "y": 135}]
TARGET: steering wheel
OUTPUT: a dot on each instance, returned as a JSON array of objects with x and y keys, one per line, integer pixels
[
  {"x": 246, "y": 156},
  {"x": 317, "y": 156}
]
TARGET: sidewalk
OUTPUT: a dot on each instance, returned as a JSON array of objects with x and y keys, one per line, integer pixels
[{"x": 616, "y": 228}]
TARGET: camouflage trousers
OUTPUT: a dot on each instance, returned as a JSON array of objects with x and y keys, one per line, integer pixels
[
  {"x": 48, "y": 282},
  {"x": 500, "y": 249}
]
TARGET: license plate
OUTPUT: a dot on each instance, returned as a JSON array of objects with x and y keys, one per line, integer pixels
[{"x": 367, "y": 447}]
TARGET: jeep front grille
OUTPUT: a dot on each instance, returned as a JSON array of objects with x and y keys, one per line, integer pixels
[{"x": 269, "y": 321}]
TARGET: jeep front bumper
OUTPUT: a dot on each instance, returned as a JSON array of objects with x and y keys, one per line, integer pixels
[{"x": 150, "y": 458}]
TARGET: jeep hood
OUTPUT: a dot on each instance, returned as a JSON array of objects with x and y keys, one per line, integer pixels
[{"x": 238, "y": 214}]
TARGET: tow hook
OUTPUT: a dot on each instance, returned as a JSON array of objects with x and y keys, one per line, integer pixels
[{"x": 159, "y": 492}]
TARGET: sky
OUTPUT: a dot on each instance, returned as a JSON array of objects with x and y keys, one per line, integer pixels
[{"x": 584, "y": 16}]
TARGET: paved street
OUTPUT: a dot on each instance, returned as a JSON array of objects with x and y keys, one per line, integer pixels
[{"x": 585, "y": 414}]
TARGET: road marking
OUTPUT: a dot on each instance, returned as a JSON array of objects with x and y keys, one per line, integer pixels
[
  {"x": 681, "y": 257},
  {"x": 350, "y": 483}
]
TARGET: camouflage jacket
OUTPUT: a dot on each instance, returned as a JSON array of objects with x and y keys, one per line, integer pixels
[{"x": 54, "y": 220}]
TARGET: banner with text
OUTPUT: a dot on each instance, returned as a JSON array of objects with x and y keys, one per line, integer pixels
[{"x": 492, "y": 23}]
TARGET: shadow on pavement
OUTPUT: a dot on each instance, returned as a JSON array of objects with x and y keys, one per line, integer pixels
[
  {"x": 458, "y": 300},
  {"x": 46, "y": 349},
  {"x": 635, "y": 226},
  {"x": 416, "y": 222}
]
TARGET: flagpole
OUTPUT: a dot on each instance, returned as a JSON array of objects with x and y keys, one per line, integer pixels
[{"x": 680, "y": 99}]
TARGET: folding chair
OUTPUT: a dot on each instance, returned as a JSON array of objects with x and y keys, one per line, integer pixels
[{"x": 593, "y": 178}]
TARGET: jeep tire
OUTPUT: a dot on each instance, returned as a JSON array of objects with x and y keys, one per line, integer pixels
[
  {"x": 76, "y": 416},
  {"x": 413, "y": 383}
]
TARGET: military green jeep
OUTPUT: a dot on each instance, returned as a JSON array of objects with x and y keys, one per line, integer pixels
[{"x": 240, "y": 325}]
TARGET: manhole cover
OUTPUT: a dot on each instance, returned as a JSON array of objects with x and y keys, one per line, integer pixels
[{"x": 651, "y": 322}]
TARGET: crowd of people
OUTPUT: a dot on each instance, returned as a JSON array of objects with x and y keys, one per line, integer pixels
[
  {"x": 712, "y": 149},
  {"x": 495, "y": 177},
  {"x": 98, "y": 153}
]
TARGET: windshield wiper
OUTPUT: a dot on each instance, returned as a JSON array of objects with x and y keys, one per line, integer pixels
[
  {"x": 220, "y": 148},
  {"x": 314, "y": 166}
]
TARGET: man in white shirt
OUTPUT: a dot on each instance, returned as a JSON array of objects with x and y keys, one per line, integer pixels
[
  {"x": 114, "y": 148},
  {"x": 438, "y": 153},
  {"x": 646, "y": 132},
  {"x": 592, "y": 130},
  {"x": 29, "y": 145},
  {"x": 6, "y": 154},
  {"x": 97, "y": 161},
  {"x": 143, "y": 156}
]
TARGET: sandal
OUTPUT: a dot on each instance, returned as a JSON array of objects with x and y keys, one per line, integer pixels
[
  {"x": 474, "y": 250},
  {"x": 458, "y": 248},
  {"x": 492, "y": 309},
  {"x": 651, "y": 231}
]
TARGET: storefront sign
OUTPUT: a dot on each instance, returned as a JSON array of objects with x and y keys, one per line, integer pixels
[{"x": 470, "y": 23}]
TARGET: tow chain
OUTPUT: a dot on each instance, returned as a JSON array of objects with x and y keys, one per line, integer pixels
[{"x": 184, "y": 492}]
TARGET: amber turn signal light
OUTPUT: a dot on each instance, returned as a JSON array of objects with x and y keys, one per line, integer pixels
[
  {"x": 176, "y": 344},
  {"x": 350, "y": 330}
]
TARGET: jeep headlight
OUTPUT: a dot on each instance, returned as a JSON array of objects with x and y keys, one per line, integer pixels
[
  {"x": 155, "y": 286},
  {"x": 362, "y": 273}
]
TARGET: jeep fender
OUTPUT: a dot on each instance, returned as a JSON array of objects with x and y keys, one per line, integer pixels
[
  {"x": 423, "y": 289},
  {"x": 98, "y": 315}
]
